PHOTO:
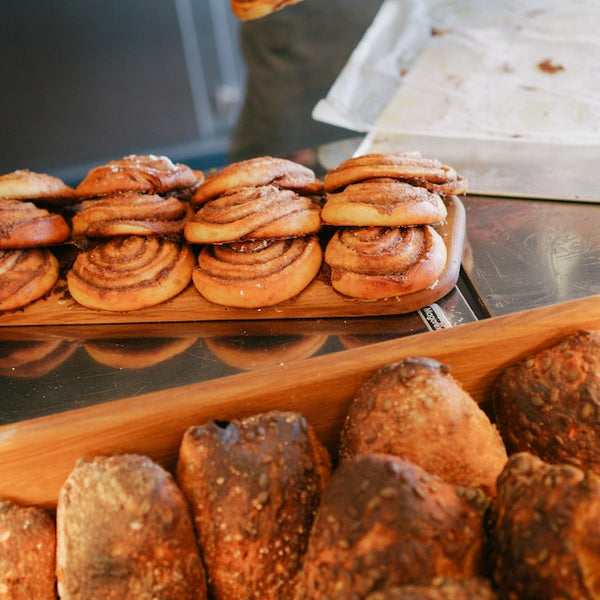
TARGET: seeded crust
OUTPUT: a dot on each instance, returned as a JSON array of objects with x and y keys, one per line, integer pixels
[
  {"x": 24, "y": 184},
  {"x": 124, "y": 531},
  {"x": 27, "y": 553},
  {"x": 247, "y": 10},
  {"x": 549, "y": 403},
  {"x": 384, "y": 522},
  {"x": 473, "y": 588},
  {"x": 545, "y": 523},
  {"x": 254, "y": 486},
  {"x": 263, "y": 170}
]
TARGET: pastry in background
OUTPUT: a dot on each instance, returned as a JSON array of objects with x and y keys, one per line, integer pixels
[
  {"x": 247, "y": 10},
  {"x": 384, "y": 522},
  {"x": 259, "y": 273},
  {"x": 41, "y": 188},
  {"x": 124, "y": 531},
  {"x": 31, "y": 359},
  {"x": 26, "y": 275},
  {"x": 548, "y": 403},
  {"x": 130, "y": 213},
  {"x": 27, "y": 552},
  {"x": 130, "y": 272},
  {"x": 544, "y": 530},
  {"x": 24, "y": 225},
  {"x": 415, "y": 409},
  {"x": 373, "y": 263},
  {"x": 144, "y": 174},
  {"x": 254, "y": 486}
]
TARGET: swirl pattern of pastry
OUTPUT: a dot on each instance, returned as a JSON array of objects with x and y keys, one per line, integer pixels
[
  {"x": 148, "y": 174},
  {"x": 263, "y": 170},
  {"x": 249, "y": 213},
  {"x": 24, "y": 225},
  {"x": 130, "y": 213},
  {"x": 130, "y": 272},
  {"x": 383, "y": 202},
  {"x": 258, "y": 273},
  {"x": 26, "y": 275},
  {"x": 24, "y": 184},
  {"x": 373, "y": 263},
  {"x": 407, "y": 166}
]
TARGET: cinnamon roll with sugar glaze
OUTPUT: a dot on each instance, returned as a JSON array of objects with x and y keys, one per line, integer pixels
[
  {"x": 259, "y": 273},
  {"x": 130, "y": 213},
  {"x": 26, "y": 275},
  {"x": 373, "y": 263},
  {"x": 249, "y": 213},
  {"x": 130, "y": 272}
]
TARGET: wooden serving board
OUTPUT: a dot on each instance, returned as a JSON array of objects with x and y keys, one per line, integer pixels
[
  {"x": 319, "y": 299},
  {"x": 37, "y": 455}
]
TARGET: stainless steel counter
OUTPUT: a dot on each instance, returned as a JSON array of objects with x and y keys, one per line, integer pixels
[{"x": 520, "y": 254}]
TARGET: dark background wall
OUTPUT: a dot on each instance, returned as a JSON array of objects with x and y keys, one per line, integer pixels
[{"x": 85, "y": 82}]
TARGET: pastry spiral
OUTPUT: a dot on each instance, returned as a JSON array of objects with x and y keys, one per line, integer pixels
[
  {"x": 259, "y": 273},
  {"x": 24, "y": 225},
  {"x": 24, "y": 184},
  {"x": 129, "y": 273},
  {"x": 373, "y": 263},
  {"x": 383, "y": 202},
  {"x": 26, "y": 275},
  {"x": 263, "y": 170},
  {"x": 264, "y": 212},
  {"x": 148, "y": 174},
  {"x": 407, "y": 166},
  {"x": 130, "y": 213}
]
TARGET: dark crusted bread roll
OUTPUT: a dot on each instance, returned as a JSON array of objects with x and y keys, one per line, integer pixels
[
  {"x": 548, "y": 403},
  {"x": 146, "y": 174},
  {"x": 124, "y": 531},
  {"x": 473, "y": 588},
  {"x": 254, "y": 486},
  {"x": 263, "y": 170},
  {"x": 384, "y": 522},
  {"x": 27, "y": 553},
  {"x": 545, "y": 523},
  {"x": 24, "y": 225},
  {"x": 415, "y": 409}
]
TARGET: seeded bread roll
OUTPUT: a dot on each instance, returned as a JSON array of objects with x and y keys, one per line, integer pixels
[
  {"x": 384, "y": 522},
  {"x": 415, "y": 409},
  {"x": 473, "y": 588},
  {"x": 124, "y": 531},
  {"x": 254, "y": 486},
  {"x": 544, "y": 534},
  {"x": 27, "y": 553},
  {"x": 547, "y": 404}
]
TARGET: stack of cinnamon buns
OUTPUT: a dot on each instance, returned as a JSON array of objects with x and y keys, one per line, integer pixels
[{"x": 253, "y": 234}]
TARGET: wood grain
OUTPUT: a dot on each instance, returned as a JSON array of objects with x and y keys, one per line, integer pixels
[
  {"x": 319, "y": 299},
  {"x": 37, "y": 455}
]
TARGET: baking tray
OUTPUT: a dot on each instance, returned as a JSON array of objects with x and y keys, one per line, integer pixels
[
  {"x": 37, "y": 455},
  {"x": 318, "y": 300}
]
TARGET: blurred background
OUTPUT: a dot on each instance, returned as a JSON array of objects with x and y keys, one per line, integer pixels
[{"x": 76, "y": 79}]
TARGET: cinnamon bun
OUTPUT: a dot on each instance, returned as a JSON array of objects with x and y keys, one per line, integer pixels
[
  {"x": 147, "y": 174},
  {"x": 385, "y": 202},
  {"x": 263, "y": 170},
  {"x": 24, "y": 225},
  {"x": 26, "y": 275},
  {"x": 130, "y": 272},
  {"x": 24, "y": 184},
  {"x": 250, "y": 213},
  {"x": 130, "y": 213},
  {"x": 373, "y": 263},
  {"x": 406, "y": 166},
  {"x": 258, "y": 273}
]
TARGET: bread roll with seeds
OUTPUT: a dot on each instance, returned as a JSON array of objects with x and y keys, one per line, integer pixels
[
  {"x": 124, "y": 531},
  {"x": 384, "y": 522},
  {"x": 27, "y": 553},
  {"x": 549, "y": 403},
  {"x": 473, "y": 588},
  {"x": 416, "y": 409},
  {"x": 544, "y": 534},
  {"x": 254, "y": 486}
]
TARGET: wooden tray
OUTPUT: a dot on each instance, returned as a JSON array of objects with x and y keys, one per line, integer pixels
[
  {"x": 37, "y": 455},
  {"x": 318, "y": 300}
]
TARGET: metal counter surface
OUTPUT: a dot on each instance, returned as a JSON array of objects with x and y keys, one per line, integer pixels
[{"x": 519, "y": 254}]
